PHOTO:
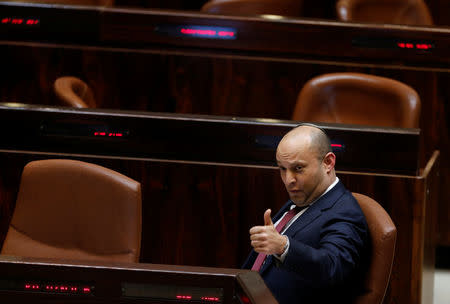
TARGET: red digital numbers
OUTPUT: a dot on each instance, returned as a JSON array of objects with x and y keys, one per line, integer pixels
[
  {"x": 108, "y": 134},
  {"x": 210, "y": 299},
  {"x": 184, "y": 297},
  {"x": 208, "y": 31},
  {"x": 206, "y": 299},
  {"x": 19, "y": 21},
  {"x": 58, "y": 288},
  {"x": 417, "y": 46}
]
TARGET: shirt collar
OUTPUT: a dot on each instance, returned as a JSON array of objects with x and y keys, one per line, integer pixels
[{"x": 328, "y": 189}]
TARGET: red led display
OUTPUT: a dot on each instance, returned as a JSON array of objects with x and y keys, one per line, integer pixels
[
  {"x": 336, "y": 145},
  {"x": 189, "y": 31},
  {"x": 206, "y": 32},
  {"x": 210, "y": 299},
  {"x": 20, "y": 21},
  {"x": 417, "y": 46},
  {"x": 57, "y": 288},
  {"x": 108, "y": 134},
  {"x": 210, "y": 33},
  {"x": 184, "y": 297}
]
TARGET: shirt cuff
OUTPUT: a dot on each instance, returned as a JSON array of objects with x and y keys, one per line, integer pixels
[{"x": 286, "y": 249}]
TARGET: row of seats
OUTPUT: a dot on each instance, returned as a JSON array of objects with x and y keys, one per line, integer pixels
[
  {"x": 68, "y": 209},
  {"x": 349, "y": 98},
  {"x": 412, "y": 12}
]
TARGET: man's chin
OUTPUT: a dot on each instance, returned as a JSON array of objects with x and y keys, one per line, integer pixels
[{"x": 297, "y": 199}]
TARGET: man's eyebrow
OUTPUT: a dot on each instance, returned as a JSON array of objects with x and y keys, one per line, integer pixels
[{"x": 296, "y": 163}]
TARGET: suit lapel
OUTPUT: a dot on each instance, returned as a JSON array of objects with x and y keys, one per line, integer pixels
[{"x": 325, "y": 202}]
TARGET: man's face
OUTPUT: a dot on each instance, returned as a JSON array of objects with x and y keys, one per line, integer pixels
[{"x": 302, "y": 172}]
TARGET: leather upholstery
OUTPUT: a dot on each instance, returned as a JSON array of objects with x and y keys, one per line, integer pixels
[
  {"x": 383, "y": 234},
  {"x": 353, "y": 98},
  {"x": 74, "y": 92},
  {"x": 412, "y": 12},
  {"x": 254, "y": 7},
  {"x": 75, "y": 210}
]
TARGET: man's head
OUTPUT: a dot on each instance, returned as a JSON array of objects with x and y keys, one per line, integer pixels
[{"x": 306, "y": 163}]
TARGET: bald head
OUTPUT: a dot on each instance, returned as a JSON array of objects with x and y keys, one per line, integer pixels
[{"x": 309, "y": 137}]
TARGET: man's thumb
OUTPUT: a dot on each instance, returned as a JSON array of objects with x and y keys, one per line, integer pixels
[{"x": 267, "y": 219}]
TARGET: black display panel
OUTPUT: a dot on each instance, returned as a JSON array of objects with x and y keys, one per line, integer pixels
[{"x": 195, "y": 138}]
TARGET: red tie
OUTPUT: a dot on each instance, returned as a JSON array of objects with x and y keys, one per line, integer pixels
[{"x": 287, "y": 217}]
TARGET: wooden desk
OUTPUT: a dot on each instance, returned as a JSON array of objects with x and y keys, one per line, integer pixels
[
  {"x": 230, "y": 197},
  {"x": 40, "y": 281}
]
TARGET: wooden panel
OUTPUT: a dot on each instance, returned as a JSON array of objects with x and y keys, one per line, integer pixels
[
  {"x": 197, "y": 138},
  {"x": 160, "y": 31},
  {"x": 125, "y": 283}
]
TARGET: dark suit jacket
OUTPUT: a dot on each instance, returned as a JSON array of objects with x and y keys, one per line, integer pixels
[{"x": 327, "y": 255}]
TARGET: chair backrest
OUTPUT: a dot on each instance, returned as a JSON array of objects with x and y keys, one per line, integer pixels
[
  {"x": 353, "y": 98},
  {"x": 75, "y": 210},
  {"x": 412, "y": 12},
  {"x": 254, "y": 7},
  {"x": 74, "y": 92},
  {"x": 383, "y": 235}
]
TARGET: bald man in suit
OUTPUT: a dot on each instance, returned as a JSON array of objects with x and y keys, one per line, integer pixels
[{"x": 321, "y": 252}]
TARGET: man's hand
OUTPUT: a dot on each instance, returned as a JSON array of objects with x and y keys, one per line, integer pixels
[{"x": 266, "y": 239}]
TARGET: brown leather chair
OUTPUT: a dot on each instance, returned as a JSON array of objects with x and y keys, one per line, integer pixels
[
  {"x": 74, "y": 92},
  {"x": 254, "y": 7},
  {"x": 383, "y": 235},
  {"x": 68, "y": 209},
  {"x": 412, "y": 12},
  {"x": 353, "y": 98}
]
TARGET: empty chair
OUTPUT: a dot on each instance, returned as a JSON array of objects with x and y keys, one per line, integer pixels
[
  {"x": 383, "y": 234},
  {"x": 68, "y": 209},
  {"x": 412, "y": 12},
  {"x": 254, "y": 7},
  {"x": 354, "y": 98},
  {"x": 74, "y": 92}
]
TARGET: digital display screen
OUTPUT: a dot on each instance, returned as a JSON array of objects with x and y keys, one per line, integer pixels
[
  {"x": 172, "y": 292},
  {"x": 198, "y": 31},
  {"x": 78, "y": 129},
  {"x": 394, "y": 43},
  {"x": 18, "y": 21},
  {"x": 50, "y": 287}
]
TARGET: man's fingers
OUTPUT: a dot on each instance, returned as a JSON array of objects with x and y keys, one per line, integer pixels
[
  {"x": 267, "y": 219},
  {"x": 257, "y": 229},
  {"x": 259, "y": 236}
]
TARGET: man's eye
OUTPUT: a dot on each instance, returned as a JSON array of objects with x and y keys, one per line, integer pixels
[
  {"x": 298, "y": 168},
  {"x": 282, "y": 168}
]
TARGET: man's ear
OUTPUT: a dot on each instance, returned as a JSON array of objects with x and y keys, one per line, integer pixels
[{"x": 329, "y": 161}]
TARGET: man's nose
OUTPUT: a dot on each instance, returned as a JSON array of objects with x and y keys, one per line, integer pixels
[{"x": 290, "y": 177}]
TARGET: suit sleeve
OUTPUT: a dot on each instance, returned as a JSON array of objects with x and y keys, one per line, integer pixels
[{"x": 342, "y": 241}]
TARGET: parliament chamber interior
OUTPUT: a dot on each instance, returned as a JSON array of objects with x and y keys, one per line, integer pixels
[{"x": 139, "y": 138}]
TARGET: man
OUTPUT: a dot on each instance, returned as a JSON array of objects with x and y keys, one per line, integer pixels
[{"x": 320, "y": 253}]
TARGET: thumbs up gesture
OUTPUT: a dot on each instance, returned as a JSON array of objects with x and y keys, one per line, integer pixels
[
  {"x": 267, "y": 218},
  {"x": 266, "y": 239}
]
